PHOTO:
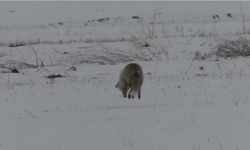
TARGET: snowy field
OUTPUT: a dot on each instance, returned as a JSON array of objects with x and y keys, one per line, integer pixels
[{"x": 188, "y": 102}]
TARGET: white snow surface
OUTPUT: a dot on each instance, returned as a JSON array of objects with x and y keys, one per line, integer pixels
[{"x": 183, "y": 107}]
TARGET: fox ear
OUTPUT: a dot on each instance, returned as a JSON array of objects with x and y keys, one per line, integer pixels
[{"x": 117, "y": 84}]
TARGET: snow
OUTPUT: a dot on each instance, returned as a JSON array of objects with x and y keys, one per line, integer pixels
[{"x": 182, "y": 107}]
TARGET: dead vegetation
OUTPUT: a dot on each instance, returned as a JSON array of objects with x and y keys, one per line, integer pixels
[
  {"x": 103, "y": 55},
  {"x": 234, "y": 48},
  {"x": 11, "y": 64},
  {"x": 53, "y": 76}
]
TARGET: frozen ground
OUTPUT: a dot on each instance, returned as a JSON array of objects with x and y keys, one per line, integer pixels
[{"x": 183, "y": 107}]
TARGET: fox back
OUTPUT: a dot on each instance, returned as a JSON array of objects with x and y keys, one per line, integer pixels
[{"x": 130, "y": 80}]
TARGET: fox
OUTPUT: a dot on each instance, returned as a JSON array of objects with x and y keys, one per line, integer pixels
[{"x": 130, "y": 81}]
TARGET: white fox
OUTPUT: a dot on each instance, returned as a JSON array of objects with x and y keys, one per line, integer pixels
[{"x": 131, "y": 79}]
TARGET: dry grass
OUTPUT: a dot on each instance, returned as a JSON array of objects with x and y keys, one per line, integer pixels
[{"x": 234, "y": 48}]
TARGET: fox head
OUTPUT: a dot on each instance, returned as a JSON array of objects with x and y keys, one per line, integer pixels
[{"x": 119, "y": 86}]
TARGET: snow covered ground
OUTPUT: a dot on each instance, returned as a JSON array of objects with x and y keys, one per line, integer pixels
[{"x": 186, "y": 104}]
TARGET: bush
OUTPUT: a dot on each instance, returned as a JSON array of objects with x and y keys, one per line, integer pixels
[{"x": 234, "y": 48}]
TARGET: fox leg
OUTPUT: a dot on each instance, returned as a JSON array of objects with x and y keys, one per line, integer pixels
[
  {"x": 124, "y": 92},
  {"x": 129, "y": 94},
  {"x": 139, "y": 93}
]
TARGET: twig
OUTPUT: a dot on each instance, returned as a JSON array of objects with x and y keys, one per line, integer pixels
[
  {"x": 31, "y": 114},
  {"x": 37, "y": 64},
  {"x": 186, "y": 71},
  {"x": 190, "y": 39},
  {"x": 243, "y": 20}
]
